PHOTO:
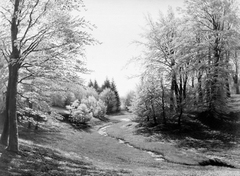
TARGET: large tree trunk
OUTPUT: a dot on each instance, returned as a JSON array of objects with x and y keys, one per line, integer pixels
[
  {"x": 12, "y": 110},
  {"x": 14, "y": 66}
]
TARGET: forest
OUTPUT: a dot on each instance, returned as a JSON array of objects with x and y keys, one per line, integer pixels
[
  {"x": 190, "y": 63},
  {"x": 183, "y": 114}
]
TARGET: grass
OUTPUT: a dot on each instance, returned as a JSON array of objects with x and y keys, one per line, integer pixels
[
  {"x": 194, "y": 144},
  {"x": 40, "y": 160},
  {"x": 43, "y": 154}
]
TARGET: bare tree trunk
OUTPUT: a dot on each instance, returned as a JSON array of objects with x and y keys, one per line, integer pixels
[
  {"x": 13, "y": 128},
  {"x": 5, "y": 132},
  {"x": 236, "y": 83},
  {"x": 179, "y": 93},
  {"x": 163, "y": 103},
  {"x": 235, "y": 77},
  {"x": 4, "y": 135},
  {"x": 14, "y": 66},
  {"x": 228, "y": 93},
  {"x": 153, "y": 110},
  {"x": 172, "y": 96}
]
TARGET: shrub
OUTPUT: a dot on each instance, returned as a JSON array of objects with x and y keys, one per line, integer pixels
[
  {"x": 82, "y": 112},
  {"x": 100, "y": 110},
  {"x": 97, "y": 107},
  {"x": 80, "y": 115},
  {"x": 70, "y": 97},
  {"x": 58, "y": 99}
]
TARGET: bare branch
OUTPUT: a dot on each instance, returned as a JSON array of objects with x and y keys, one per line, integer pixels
[
  {"x": 26, "y": 77},
  {"x": 30, "y": 21},
  {"x": 5, "y": 17}
]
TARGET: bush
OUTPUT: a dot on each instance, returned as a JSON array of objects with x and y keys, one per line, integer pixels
[
  {"x": 100, "y": 110},
  {"x": 80, "y": 115},
  {"x": 97, "y": 107},
  {"x": 70, "y": 97},
  {"x": 58, "y": 99},
  {"x": 82, "y": 112},
  {"x": 42, "y": 106}
]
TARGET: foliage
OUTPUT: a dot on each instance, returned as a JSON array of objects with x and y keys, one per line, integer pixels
[
  {"x": 80, "y": 113},
  {"x": 97, "y": 107},
  {"x": 186, "y": 60},
  {"x": 106, "y": 84},
  {"x": 41, "y": 39},
  {"x": 90, "y": 91},
  {"x": 58, "y": 99},
  {"x": 109, "y": 98},
  {"x": 114, "y": 89},
  {"x": 129, "y": 99},
  {"x": 70, "y": 97}
]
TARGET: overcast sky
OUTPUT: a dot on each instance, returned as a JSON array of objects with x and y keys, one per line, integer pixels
[{"x": 119, "y": 23}]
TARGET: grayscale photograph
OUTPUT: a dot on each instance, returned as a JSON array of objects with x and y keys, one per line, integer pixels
[{"x": 119, "y": 88}]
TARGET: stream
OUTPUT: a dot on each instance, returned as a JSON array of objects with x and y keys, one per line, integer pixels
[{"x": 156, "y": 156}]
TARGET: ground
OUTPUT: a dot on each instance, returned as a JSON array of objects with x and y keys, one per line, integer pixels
[{"x": 118, "y": 145}]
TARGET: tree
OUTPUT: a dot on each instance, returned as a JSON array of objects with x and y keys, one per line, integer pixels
[
  {"x": 96, "y": 86},
  {"x": 37, "y": 28},
  {"x": 215, "y": 24},
  {"x": 90, "y": 84},
  {"x": 166, "y": 53},
  {"x": 198, "y": 46},
  {"x": 129, "y": 98},
  {"x": 109, "y": 97},
  {"x": 114, "y": 89},
  {"x": 106, "y": 84}
]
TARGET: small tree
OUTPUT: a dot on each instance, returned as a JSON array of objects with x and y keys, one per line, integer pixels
[
  {"x": 106, "y": 84},
  {"x": 114, "y": 89},
  {"x": 109, "y": 97}
]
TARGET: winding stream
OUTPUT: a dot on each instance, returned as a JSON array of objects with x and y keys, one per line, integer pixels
[{"x": 158, "y": 157}]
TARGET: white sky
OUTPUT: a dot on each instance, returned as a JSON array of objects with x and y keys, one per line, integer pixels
[{"x": 119, "y": 23}]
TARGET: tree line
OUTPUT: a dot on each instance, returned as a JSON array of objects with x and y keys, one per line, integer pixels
[
  {"x": 190, "y": 61},
  {"x": 109, "y": 93}
]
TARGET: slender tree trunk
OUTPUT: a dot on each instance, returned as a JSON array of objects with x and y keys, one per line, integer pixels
[
  {"x": 235, "y": 77},
  {"x": 163, "y": 103},
  {"x": 172, "y": 96},
  {"x": 179, "y": 92},
  {"x": 236, "y": 83},
  {"x": 5, "y": 132},
  {"x": 153, "y": 110},
  {"x": 4, "y": 136},
  {"x": 200, "y": 93},
  {"x": 193, "y": 81},
  {"x": 228, "y": 93}
]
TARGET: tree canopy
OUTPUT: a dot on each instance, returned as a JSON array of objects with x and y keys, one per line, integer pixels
[{"x": 40, "y": 40}]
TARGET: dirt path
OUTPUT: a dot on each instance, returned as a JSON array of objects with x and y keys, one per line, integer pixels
[{"x": 106, "y": 152}]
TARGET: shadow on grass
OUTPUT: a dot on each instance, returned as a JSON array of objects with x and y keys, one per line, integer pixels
[
  {"x": 40, "y": 136},
  {"x": 39, "y": 160},
  {"x": 194, "y": 133}
]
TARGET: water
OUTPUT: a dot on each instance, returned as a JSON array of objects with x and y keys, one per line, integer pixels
[{"x": 158, "y": 157}]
